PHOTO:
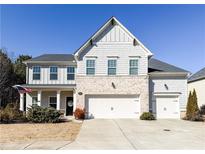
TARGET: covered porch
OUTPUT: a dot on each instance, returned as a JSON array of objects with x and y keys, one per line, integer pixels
[{"x": 60, "y": 97}]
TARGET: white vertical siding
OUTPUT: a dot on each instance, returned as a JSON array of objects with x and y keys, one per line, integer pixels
[{"x": 45, "y": 76}]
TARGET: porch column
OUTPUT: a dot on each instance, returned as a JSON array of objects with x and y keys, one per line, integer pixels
[
  {"x": 58, "y": 100},
  {"x": 39, "y": 97},
  {"x": 74, "y": 100},
  {"x": 21, "y": 107}
]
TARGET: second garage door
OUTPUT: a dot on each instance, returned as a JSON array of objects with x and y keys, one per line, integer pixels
[
  {"x": 108, "y": 106},
  {"x": 167, "y": 107}
]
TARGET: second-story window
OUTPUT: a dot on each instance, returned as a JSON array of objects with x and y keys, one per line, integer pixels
[
  {"x": 53, "y": 73},
  {"x": 112, "y": 64},
  {"x": 90, "y": 67},
  {"x": 36, "y": 73},
  {"x": 70, "y": 73},
  {"x": 133, "y": 67}
]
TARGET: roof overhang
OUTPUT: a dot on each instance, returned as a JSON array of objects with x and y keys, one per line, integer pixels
[
  {"x": 49, "y": 86},
  {"x": 167, "y": 93},
  {"x": 158, "y": 74},
  {"x": 190, "y": 81},
  {"x": 50, "y": 62},
  {"x": 112, "y": 21}
]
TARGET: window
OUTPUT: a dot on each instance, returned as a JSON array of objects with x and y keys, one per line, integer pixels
[
  {"x": 34, "y": 100},
  {"x": 112, "y": 67},
  {"x": 70, "y": 73},
  {"x": 90, "y": 67},
  {"x": 52, "y": 101},
  {"x": 53, "y": 73},
  {"x": 133, "y": 67},
  {"x": 36, "y": 73}
]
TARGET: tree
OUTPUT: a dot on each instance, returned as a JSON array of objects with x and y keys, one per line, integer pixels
[
  {"x": 192, "y": 106},
  {"x": 195, "y": 102},
  {"x": 189, "y": 106},
  {"x": 7, "y": 80},
  {"x": 20, "y": 69}
]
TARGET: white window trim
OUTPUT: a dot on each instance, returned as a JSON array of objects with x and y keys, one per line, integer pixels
[
  {"x": 35, "y": 72},
  {"x": 90, "y": 67},
  {"x": 53, "y": 73},
  {"x": 134, "y": 67},
  {"x": 71, "y": 73},
  {"x": 112, "y": 67}
]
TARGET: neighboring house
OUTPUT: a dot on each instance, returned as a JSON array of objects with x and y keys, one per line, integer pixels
[
  {"x": 112, "y": 75},
  {"x": 197, "y": 82}
]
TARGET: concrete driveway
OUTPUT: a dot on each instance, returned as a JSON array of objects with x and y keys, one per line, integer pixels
[
  {"x": 137, "y": 134},
  {"x": 127, "y": 134}
]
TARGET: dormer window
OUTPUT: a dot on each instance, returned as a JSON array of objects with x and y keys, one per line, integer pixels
[
  {"x": 36, "y": 72},
  {"x": 53, "y": 73}
]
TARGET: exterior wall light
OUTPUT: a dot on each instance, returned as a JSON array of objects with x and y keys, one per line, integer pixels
[
  {"x": 113, "y": 85},
  {"x": 166, "y": 86}
]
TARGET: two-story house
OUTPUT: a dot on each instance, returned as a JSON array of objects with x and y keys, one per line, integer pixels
[{"x": 112, "y": 75}]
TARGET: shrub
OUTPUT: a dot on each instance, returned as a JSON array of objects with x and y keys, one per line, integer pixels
[
  {"x": 192, "y": 106},
  {"x": 10, "y": 113},
  {"x": 147, "y": 116},
  {"x": 196, "y": 117},
  {"x": 202, "y": 110},
  {"x": 79, "y": 113},
  {"x": 40, "y": 114}
]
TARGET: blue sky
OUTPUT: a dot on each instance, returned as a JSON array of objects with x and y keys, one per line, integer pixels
[{"x": 174, "y": 33}]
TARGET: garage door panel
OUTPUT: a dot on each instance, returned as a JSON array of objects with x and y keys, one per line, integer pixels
[
  {"x": 113, "y": 106},
  {"x": 167, "y": 108}
]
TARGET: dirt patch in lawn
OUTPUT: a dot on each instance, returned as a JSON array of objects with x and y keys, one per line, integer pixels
[{"x": 30, "y": 131}]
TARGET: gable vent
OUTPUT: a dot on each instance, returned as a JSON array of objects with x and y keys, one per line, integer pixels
[{"x": 135, "y": 43}]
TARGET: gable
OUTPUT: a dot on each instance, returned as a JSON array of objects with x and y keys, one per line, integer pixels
[{"x": 112, "y": 31}]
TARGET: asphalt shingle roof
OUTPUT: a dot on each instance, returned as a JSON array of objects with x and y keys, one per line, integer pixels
[
  {"x": 160, "y": 66},
  {"x": 197, "y": 76},
  {"x": 54, "y": 57}
]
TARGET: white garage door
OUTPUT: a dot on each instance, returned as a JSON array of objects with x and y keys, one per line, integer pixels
[
  {"x": 113, "y": 106},
  {"x": 167, "y": 108}
]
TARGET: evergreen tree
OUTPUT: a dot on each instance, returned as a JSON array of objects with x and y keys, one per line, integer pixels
[
  {"x": 195, "y": 102},
  {"x": 7, "y": 80},
  {"x": 189, "y": 106},
  {"x": 192, "y": 106}
]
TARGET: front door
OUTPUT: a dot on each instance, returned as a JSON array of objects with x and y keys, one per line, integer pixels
[{"x": 69, "y": 105}]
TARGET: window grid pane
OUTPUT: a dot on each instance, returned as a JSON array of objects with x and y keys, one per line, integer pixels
[
  {"x": 53, "y": 102},
  {"x": 53, "y": 70},
  {"x": 90, "y": 63},
  {"x": 70, "y": 73},
  {"x": 133, "y": 63},
  {"x": 53, "y": 73},
  {"x": 112, "y": 67},
  {"x": 111, "y": 63},
  {"x": 111, "y": 71},
  {"x": 134, "y": 67},
  {"x": 90, "y": 67}
]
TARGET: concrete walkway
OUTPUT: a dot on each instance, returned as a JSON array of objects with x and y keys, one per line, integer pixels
[{"x": 127, "y": 134}]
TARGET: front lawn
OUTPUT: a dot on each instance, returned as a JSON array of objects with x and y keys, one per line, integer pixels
[{"x": 33, "y": 131}]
